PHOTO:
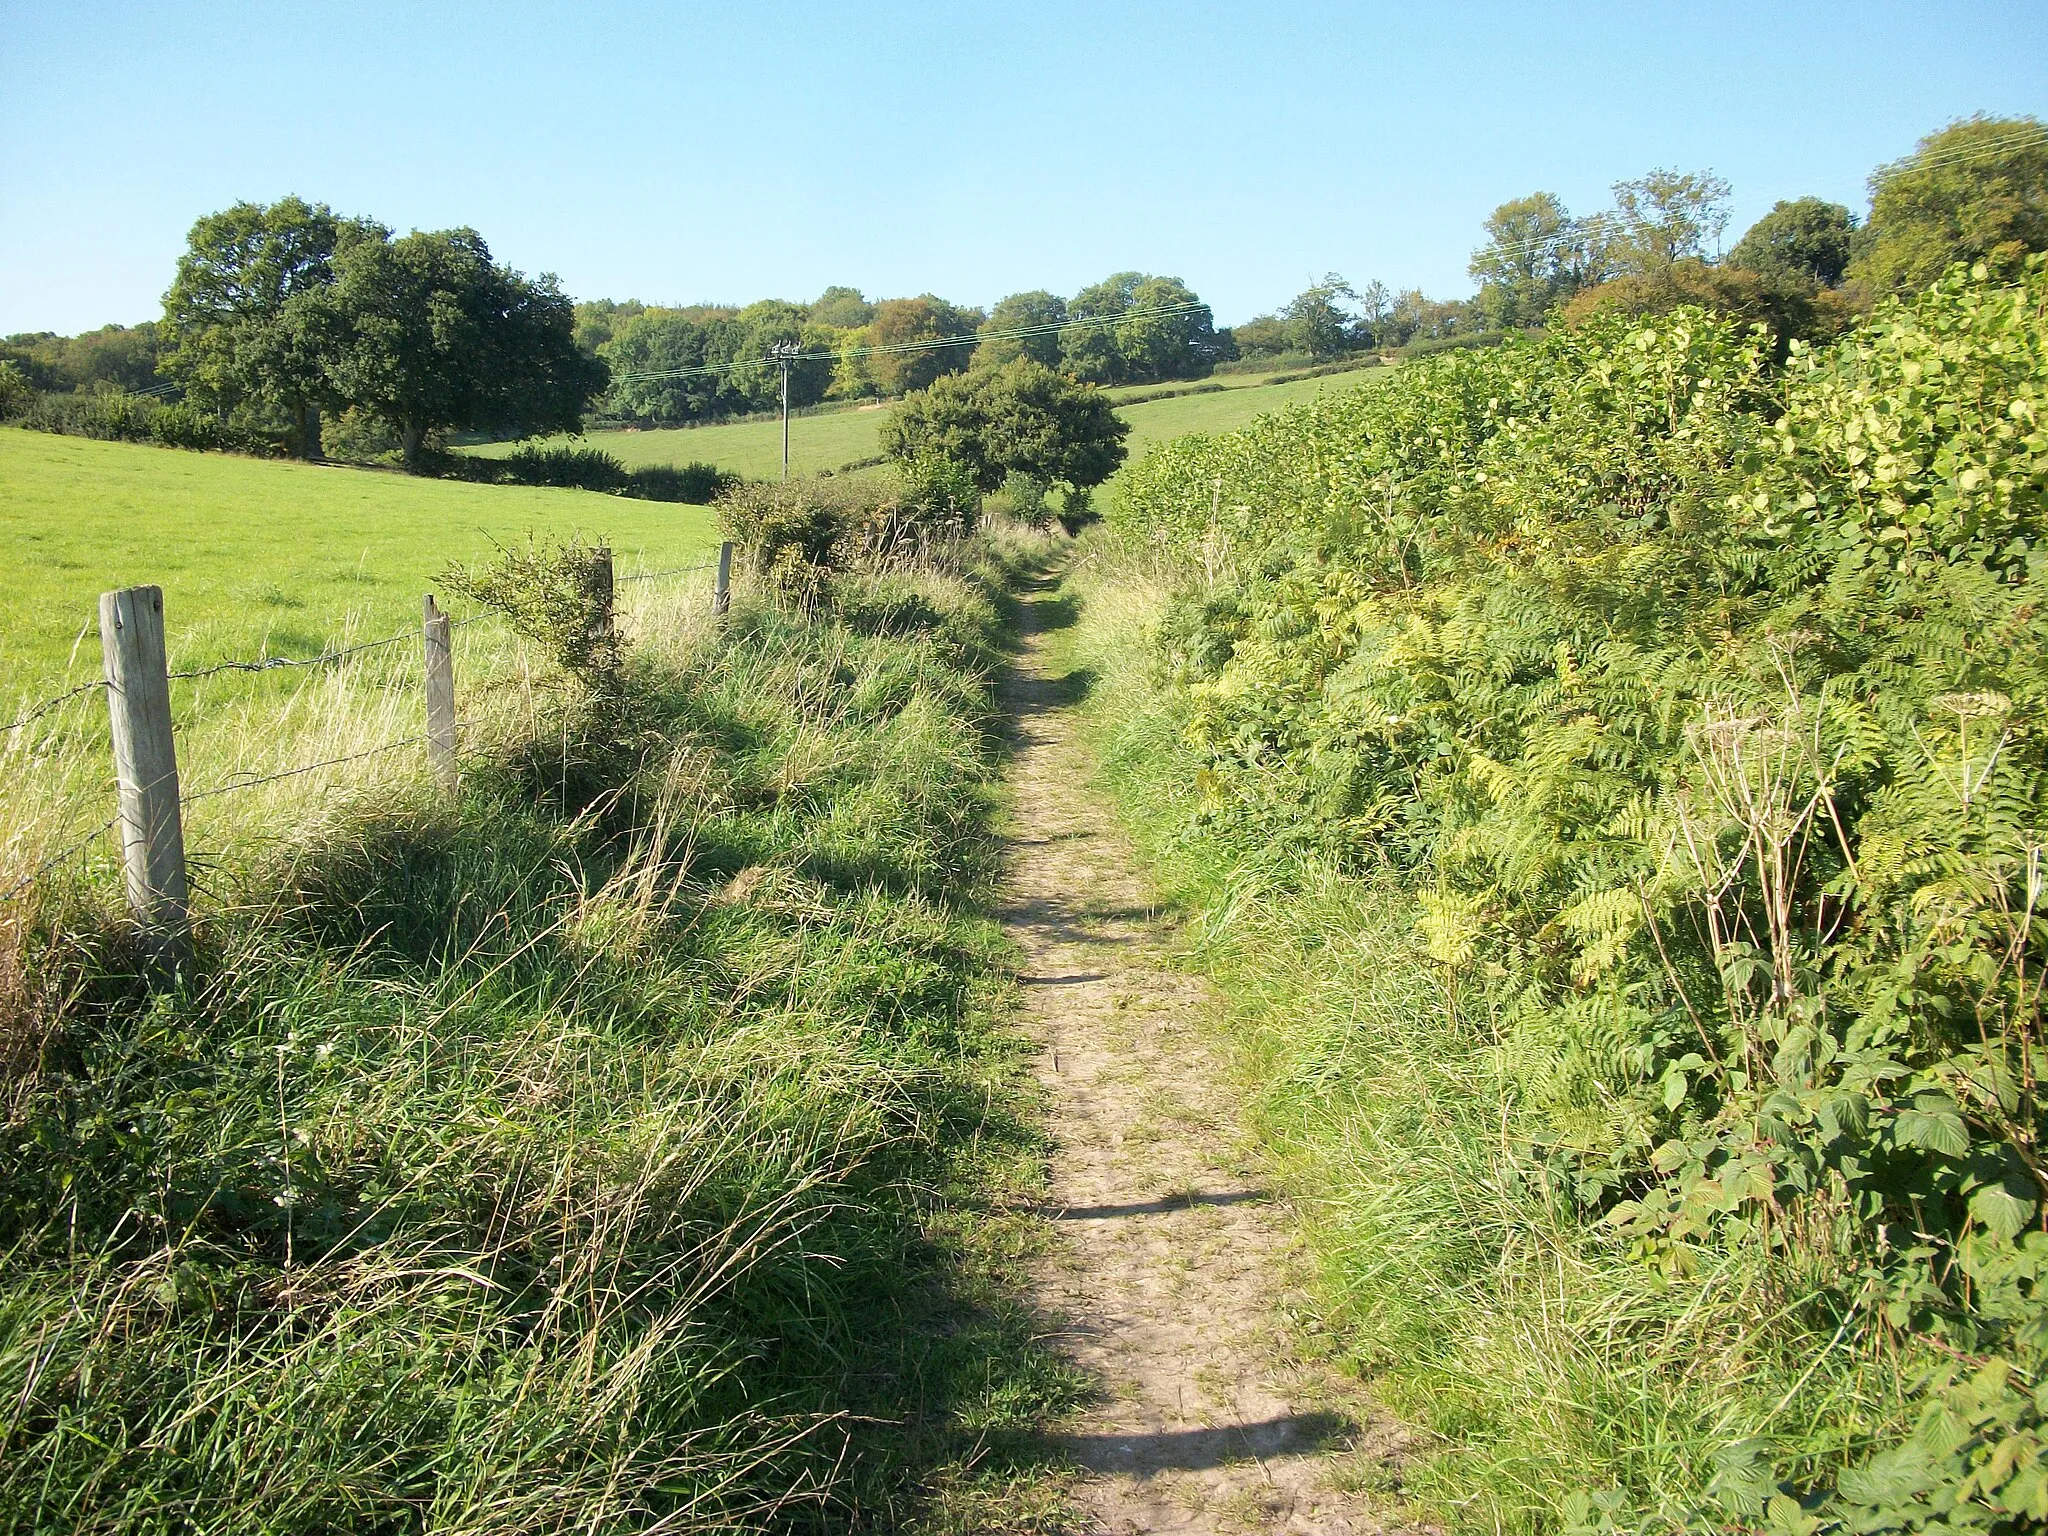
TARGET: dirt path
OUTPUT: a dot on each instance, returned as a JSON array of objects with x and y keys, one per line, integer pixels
[{"x": 1176, "y": 1268}]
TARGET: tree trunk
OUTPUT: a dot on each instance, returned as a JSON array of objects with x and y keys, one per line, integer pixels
[
  {"x": 409, "y": 439},
  {"x": 309, "y": 434}
]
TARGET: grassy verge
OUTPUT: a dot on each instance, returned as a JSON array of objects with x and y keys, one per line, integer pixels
[
  {"x": 622, "y": 1142},
  {"x": 1543, "y": 1362}
]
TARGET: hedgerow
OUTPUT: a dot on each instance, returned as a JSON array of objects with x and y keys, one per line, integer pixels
[{"x": 1695, "y": 701}]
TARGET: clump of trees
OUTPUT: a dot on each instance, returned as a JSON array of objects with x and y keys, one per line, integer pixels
[
  {"x": 1975, "y": 192},
  {"x": 680, "y": 364},
  {"x": 281, "y": 312}
]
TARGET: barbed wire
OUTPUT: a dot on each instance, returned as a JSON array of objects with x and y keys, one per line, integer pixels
[
  {"x": 14, "y": 891},
  {"x": 29, "y": 717},
  {"x": 271, "y": 663},
  {"x": 293, "y": 773},
  {"x": 676, "y": 570}
]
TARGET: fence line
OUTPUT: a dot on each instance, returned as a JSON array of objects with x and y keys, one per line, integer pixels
[
  {"x": 137, "y": 685},
  {"x": 244, "y": 781},
  {"x": 29, "y": 717},
  {"x": 679, "y": 570},
  {"x": 14, "y": 891},
  {"x": 271, "y": 663}
]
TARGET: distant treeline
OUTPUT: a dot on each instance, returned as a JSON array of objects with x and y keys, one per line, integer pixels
[
  {"x": 293, "y": 326},
  {"x": 672, "y": 365}
]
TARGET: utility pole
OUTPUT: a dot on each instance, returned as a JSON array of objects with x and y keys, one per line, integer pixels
[{"x": 784, "y": 352}]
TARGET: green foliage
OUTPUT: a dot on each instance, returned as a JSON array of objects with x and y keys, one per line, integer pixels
[
  {"x": 1700, "y": 705},
  {"x": 1536, "y": 256},
  {"x": 1023, "y": 419},
  {"x": 15, "y": 393},
  {"x": 526, "y": 1167},
  {"x": 437, "y": 336},
  {"x": 1017, "y": 312},
  {"x": 1807, "y": 241},
  {"x": 1119, "y": 347},
  {"x": 1975, "y": 192},
  {"x": 557, "y": 596},
  {"x": 123, "y": 357},
  {"x": 908, "y": 322},
  {"x": 589, "y": 469},
  {"x": 1661, "y": 217},
  {"x": 695, "y": 482},
  {"x": 1317, "y": 320},
  {"x": 799, "y": 537},
  {"x": 843, "y": 309},
  {"x": 246, "y": 328},
  {"x": 123, "y": 418}
]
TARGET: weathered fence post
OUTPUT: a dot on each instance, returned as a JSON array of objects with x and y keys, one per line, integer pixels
[
  {"x": 146, "y": 765},
  {"x": 721, "y": 595},
  {"x": 440, "y": 690}
]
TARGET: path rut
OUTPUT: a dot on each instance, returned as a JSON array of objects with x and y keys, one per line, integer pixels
[{"x": 1173, "y": 1277}]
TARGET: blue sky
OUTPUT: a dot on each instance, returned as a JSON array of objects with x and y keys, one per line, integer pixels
[{"x": 737, "y": 151}]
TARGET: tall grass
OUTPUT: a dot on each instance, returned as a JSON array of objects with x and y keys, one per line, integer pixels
[
  {"x": 617, "y": 1143},
  {"x": 1540, "y": 1359}
]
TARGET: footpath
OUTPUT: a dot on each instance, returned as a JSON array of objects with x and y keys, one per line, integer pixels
[{"x": 1175, "y": 1275}]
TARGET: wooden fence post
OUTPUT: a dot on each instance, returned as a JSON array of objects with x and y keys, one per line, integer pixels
[
  {"x": 440, "y": 690},
  {"x": 146, "y": 765},
  {"x": 721, "y": 595}
]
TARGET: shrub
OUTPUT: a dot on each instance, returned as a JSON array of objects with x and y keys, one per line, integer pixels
[
  {"x": 697, "y": 483},
  {"x": 588, "y": 469},
  {"x": 15, "y": 394},
  {"x": 791, "y": 534},
  {"x": 1699, "y": 704},
  {"x": 112, "y": 416}
]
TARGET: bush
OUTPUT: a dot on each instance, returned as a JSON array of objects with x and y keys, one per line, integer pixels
[
  {"x": 15, "y": 394},
  {"x": 111, "y": 416},
  {"x": 587, "y": 469},
  {"x": 1700, "y": 707},
  {"x": 697, "y": 483}
]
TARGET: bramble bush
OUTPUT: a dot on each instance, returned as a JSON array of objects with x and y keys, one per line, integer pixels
[{"x": 1698, "y": 702}]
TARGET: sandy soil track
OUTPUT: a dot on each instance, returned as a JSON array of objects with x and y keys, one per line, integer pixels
[{"x": 1175, "y": 1270}]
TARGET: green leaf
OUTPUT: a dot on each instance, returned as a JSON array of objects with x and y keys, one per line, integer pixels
[
  {"x": 1938, "y": 1131},
  {"x": 1999, "y": 1209}
]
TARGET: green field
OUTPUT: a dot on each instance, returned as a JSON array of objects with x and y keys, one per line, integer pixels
[
  {"x": 255, "y": 555},
  {"x": 834, "y": 439},
  {"x": 822, "y": 440}
]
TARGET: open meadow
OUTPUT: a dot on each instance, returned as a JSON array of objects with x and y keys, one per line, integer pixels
[
  {"x": 257, "y": 556},
  {"x": 834, "y": 439}
]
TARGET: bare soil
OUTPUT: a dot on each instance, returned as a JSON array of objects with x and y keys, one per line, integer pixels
[{"x": 1177, "y": 1276}]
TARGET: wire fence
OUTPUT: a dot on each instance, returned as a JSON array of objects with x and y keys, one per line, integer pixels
[
  {"x": 141, "y": 700},
  {"x": 30, "y": 716}
]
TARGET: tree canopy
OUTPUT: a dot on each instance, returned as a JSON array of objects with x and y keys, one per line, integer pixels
[
  {"x": 1807, "y": 241},
  {"x": 1536, "y": 255},
  {"x": 245, "y": 327},
  {"x": 1034, "y": 309},
  {"x": 1976, "y": 191},
  {"x": 435, "y": 336},
  {"x": 907, "y": 322},
  {"x": 1023, "y": 418}
]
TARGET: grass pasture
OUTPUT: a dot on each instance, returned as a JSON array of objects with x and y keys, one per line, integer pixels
[
  {"x": 260, "y": 557},
  {"x": 833, "y": 439},
  {"x": 820, "y": 440}
]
